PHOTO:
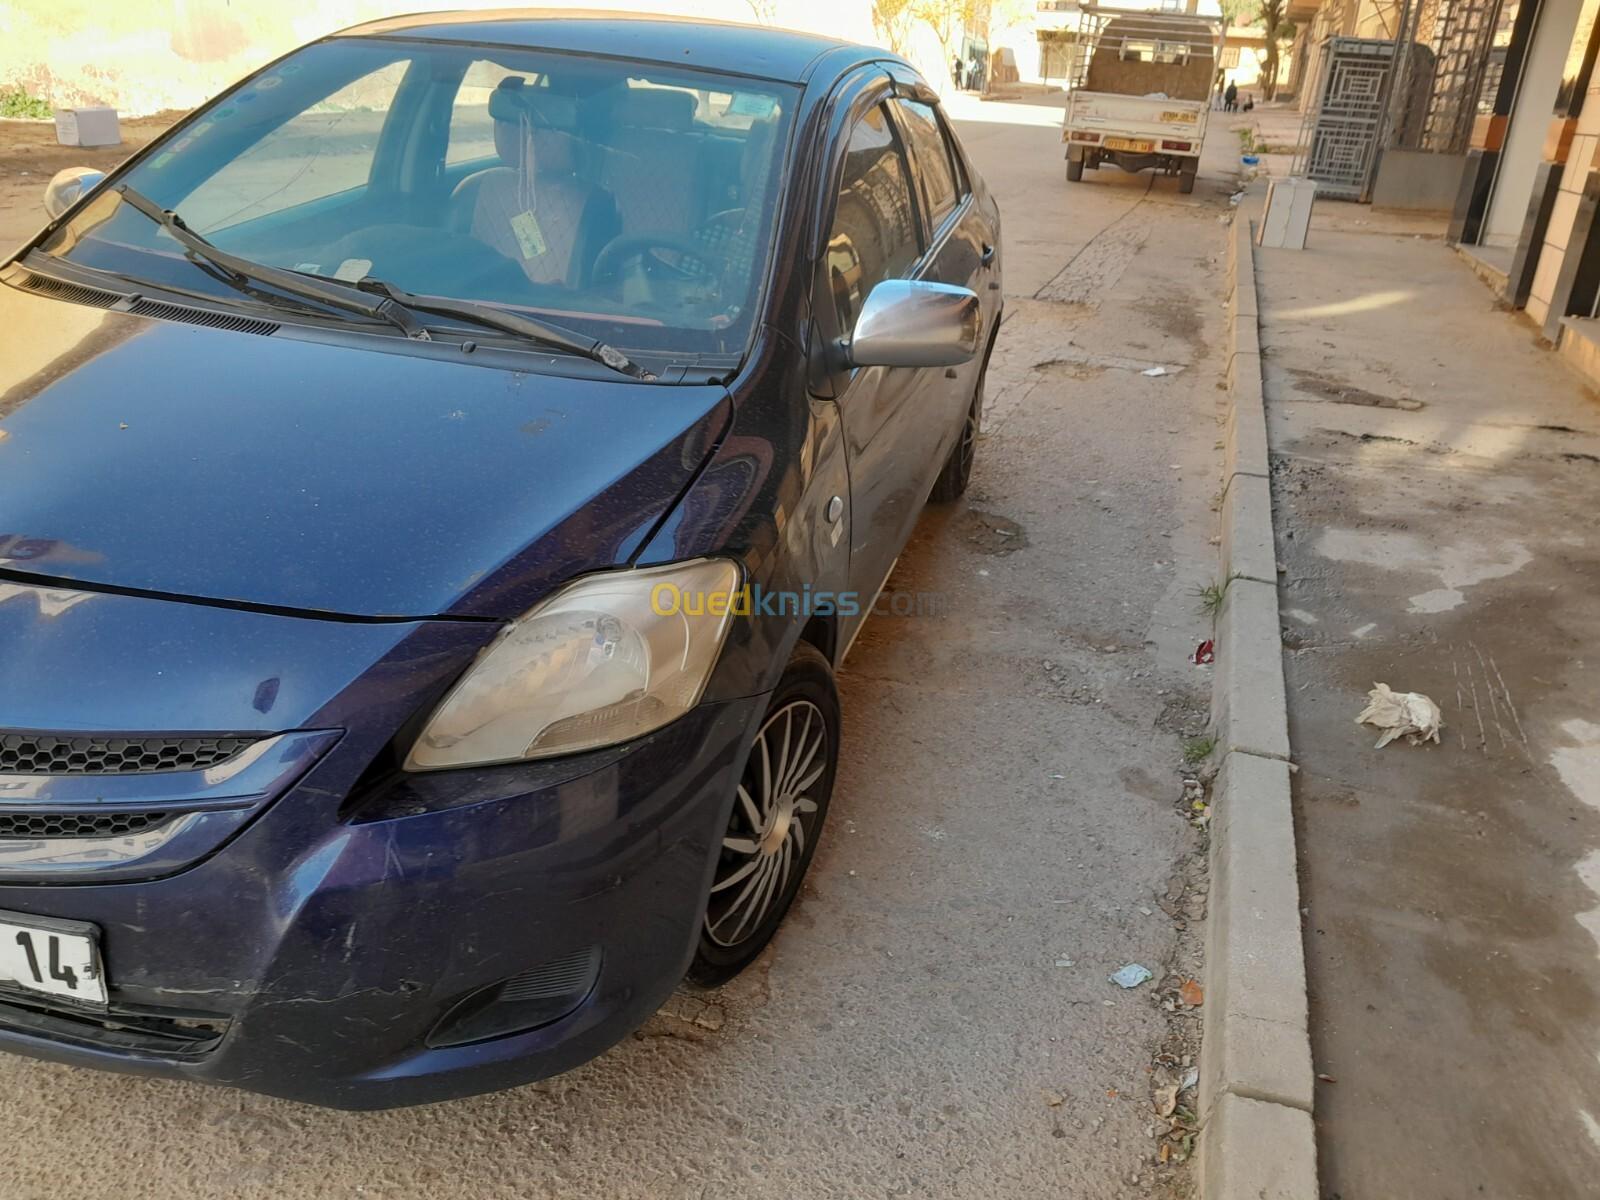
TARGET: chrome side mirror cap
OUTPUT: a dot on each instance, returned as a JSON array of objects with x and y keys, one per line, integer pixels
[
  {"x": 910, "y": 323},
  {"x": 67, "y": 187}
]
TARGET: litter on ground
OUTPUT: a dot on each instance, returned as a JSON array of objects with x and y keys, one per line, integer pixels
[
  {"x": 1131, "y": 976},
  {"x": 1401, "y": 714}
]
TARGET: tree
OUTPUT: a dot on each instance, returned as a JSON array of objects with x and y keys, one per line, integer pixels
[
  {"x": 1233, "y": 11},
  {"x": 1277, "y": 30},
  {"x": 948, "y": 19},
  {"x": 891, "y": 20}
]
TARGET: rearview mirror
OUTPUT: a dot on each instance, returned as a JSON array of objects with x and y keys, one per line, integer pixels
[
  {"x": 67, "y": 187},
  {"x": 909, "y": 323}
]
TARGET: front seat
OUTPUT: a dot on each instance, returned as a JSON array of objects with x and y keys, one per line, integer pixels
[
  {"x": 652, "y": 161},
  {"x": 535, "y": 208}
]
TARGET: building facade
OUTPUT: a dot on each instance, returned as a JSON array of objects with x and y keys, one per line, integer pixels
[{"x": 1529, "y": 193}]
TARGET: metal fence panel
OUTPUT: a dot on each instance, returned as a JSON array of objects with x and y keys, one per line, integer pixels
[{"x": 1339, "y": 140}]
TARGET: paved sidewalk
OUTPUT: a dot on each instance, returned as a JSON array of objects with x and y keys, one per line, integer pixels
[{"x": 1436, "y": 479}]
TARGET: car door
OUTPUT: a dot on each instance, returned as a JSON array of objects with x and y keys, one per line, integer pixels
[
  {"x": 875, "y": 233},
  {"x": 960, "y": 250}
]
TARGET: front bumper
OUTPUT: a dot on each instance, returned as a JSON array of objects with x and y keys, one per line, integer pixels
[{"x": 321, "y": 962}]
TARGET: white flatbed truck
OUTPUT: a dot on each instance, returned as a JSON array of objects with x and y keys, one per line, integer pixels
[{"x": 1141, "y": 92}]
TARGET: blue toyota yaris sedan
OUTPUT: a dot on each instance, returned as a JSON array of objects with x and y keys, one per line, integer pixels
[{"x": 438, "y": 481}]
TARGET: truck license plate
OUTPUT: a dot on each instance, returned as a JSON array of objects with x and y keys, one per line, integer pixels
[
  {"x": 53, "y": 958},
  {"x": 1130, "y": 144}
]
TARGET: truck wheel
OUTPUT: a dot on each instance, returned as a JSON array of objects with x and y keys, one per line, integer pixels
[
  {"x": 1186, "y": 182},
  {"x": 1074, "y": 170}
]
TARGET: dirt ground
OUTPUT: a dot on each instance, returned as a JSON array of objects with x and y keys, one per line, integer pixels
[
  {"x": 1436, "y": 477},
  {"x": 935, "y": 1018},
  {"x": 30, "y": 155}
]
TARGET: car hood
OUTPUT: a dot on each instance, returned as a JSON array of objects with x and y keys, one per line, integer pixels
[{"x": 277, "y": 472}]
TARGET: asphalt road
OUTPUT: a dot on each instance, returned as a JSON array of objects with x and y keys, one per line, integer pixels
[{"x": 935, "y": 1019}]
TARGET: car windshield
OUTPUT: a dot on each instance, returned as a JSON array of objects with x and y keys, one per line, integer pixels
[{"x": 632, "y": 201}]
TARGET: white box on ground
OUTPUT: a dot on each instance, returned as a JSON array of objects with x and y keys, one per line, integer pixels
[
  {"x": 1288, "y": 213},
  {"x": 95, "y": 126}
]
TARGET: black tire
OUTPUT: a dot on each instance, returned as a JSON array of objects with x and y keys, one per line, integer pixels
[
  {"x": 806, "y": 693},
  {"x": 956, "y": 473},
  {"x": 1186, "y": 182},
  {"x": 1074, "y": 170}
]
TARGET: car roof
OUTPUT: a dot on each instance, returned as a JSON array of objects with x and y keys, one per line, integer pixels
[{"x": 757, "y": 50}]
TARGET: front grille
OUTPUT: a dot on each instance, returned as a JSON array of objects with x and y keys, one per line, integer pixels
[
  {"x": 53, "y": 754},
  {"x": 76, "y": 825},
  {"x": 131, "y": 1029}
]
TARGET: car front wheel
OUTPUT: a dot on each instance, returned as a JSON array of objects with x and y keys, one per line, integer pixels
[
  {"x": 777, "y": 817},
  {"x": 957, "y": 470}
]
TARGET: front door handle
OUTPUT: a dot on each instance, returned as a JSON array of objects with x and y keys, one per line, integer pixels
[{"x": 988, "y": 254}]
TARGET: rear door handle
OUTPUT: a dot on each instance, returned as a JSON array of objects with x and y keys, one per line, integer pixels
[{"x": 988, "y": 254}]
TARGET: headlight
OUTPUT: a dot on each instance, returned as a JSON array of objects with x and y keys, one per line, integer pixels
[{"x": 606, "y": 659}]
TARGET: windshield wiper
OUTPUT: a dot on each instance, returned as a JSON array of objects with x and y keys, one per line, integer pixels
[
  {"x": 394, "y": 306},
  {"x": 304, "y": 286},
  {"x": 547, "y": 334}
]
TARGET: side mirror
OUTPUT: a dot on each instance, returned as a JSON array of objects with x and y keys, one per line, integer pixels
[
  {"x": 909, "y": 323},
  {"x": 67, "y": 187}
]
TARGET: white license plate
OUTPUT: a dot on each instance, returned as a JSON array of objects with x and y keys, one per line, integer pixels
[{"x": 51, "y": 958}]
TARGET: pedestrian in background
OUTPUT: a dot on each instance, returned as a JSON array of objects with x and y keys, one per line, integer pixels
[
  {"x": 1230, "y": 98},
  {"x": 955, "y": 70}
]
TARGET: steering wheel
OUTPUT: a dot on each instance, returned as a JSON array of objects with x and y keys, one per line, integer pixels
[{"x": 686, "y": 249}]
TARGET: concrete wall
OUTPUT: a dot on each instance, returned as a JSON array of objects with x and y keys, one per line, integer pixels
[{"x": 1417, "y": 180}]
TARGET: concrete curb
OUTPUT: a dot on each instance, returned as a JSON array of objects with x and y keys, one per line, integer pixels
[{"x": 1258, "y": 1141}]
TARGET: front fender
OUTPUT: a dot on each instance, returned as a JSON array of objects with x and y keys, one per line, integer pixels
[{"x": 765, "y": 498}]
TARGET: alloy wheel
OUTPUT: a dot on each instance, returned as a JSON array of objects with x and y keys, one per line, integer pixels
[
  {"x": 773, "y": 820},
  {"x": 969, "y": 432}
]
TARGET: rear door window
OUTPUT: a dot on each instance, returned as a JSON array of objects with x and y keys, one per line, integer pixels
[
  {"x": 940, "y": 178},
  {"x": 874, "y": 232}
]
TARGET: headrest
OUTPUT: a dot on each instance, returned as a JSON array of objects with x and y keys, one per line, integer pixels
[
  {"x": 756, "y": 164},
  {"x": 513, "y": 101},
  {"x": 654, "y": 108}
]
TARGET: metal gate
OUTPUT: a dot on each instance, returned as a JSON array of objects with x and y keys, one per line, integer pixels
[
  {"x": 1466, "y": 62},
  {"x": 1339, "y": 141}
]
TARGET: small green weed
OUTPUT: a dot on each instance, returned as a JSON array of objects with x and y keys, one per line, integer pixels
[
  {"x": 1209, "y": 597},
  {"x": 16, "y": 103}
]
